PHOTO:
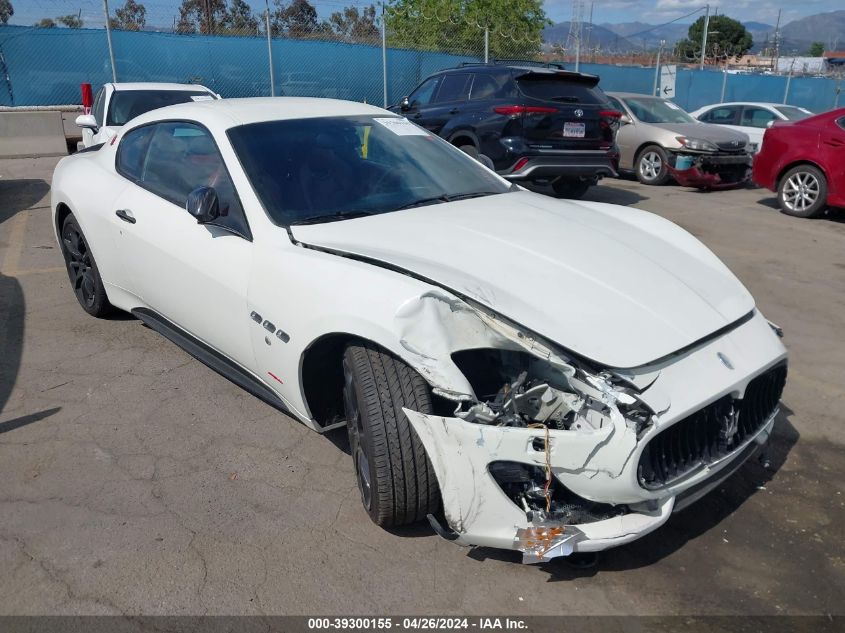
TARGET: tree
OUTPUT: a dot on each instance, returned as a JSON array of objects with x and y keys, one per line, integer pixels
[
  {"x": 515, "y": 26},
  {"x": 71, "y": 21},
  {"x": 350, "y": 24},
  {"x": 816, "y": 49},
  {"x": 6, "y": 11},
  {"x": 45, "y": 23},
  {"x": 201, "y": 15},
  {"x": 240, "y": 19},
  {"x": 726, "y": 38},
  {"x": 297, "y": 19},
  {"x": 131, "y": 17}
]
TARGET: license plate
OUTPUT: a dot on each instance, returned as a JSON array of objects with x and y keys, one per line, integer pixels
[{"x": 574, "y": 130}]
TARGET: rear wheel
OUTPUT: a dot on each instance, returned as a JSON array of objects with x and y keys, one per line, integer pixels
[
  {"x": 82, "y": 270},
  {"x": 397, "y": 483},
  {"x": 802, "y": 192},
  {"x": 574, "y": 189},
  {"x": 652, "y": 165}
]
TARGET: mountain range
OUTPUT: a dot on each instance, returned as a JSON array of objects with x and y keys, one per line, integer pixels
[{"x": 796, "y": 36}]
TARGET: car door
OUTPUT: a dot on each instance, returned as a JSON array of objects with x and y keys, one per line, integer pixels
[
  {"x": 754, "y": 122},
  {"x": 419, "y": 101},
  {"x": 195, "y": 275},
  {"x": 450, "y": 99},
  {"x": 832, "y": 146}
]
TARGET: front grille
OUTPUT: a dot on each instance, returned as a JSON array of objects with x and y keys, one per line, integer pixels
[
  {"x": 729, "y": 146},
  {"x": 711, "y": 433}
]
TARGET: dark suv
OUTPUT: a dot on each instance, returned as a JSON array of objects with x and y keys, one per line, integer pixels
[{"x": 538, "y": 124}]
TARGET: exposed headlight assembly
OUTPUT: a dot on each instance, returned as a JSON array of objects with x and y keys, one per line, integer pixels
[{"x": 697, "y": 144}]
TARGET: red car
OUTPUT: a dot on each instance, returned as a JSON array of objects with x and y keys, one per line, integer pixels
[{"x": 804, "y": 162}]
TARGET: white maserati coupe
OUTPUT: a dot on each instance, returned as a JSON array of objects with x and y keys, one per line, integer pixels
[{"x": 528, "y": 373}]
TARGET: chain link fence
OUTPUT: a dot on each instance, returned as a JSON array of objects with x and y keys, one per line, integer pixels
[{"x": 348, "y": 49}]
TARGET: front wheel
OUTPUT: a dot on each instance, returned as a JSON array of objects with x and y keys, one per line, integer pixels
[
  {"x": 397, "y": 483},
  {"x": 652, "y": 165},
  {"x": 802, "y": 192}
]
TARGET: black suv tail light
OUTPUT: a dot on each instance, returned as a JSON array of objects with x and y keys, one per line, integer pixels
[{"x": 511, "y": 110}]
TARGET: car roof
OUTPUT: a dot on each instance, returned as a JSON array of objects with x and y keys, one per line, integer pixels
[
  {"x": 226, "y": 113},
  {"x": 750, "y": 103},
  {"x": 474, "y": 67},
  {"x": 149, "y": 85}
]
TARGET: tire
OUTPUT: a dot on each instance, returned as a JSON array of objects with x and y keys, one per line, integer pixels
[
  {"x": 82, "y": 270},
  {"x": 470, "y": 150},
  {"x": 802, "y": 192},
  {"x": 573, "y": 189},
  {"x": 651, "y": 165},
  {"x": 397, "y": 483}
]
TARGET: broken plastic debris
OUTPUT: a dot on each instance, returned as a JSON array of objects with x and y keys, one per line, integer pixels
[{"x": 541, "y": 543}]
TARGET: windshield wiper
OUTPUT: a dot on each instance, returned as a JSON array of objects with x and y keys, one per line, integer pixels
[
  {"x": 424, "y": 201},
  {"x": 475, "y": 194},
  {"x": 331, "y": 217}
]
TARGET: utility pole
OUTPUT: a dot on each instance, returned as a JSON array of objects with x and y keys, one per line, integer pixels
[
  {"x": 269, "y": 48},
  {"x": 108, "y": 39},
  {"x": 486, "y": 45},
  {"x": 657, "y": 69},
  {"x": 777, "y": 45},
  {"x": 704, "y": 37},
  {"x": 384, "y": 55}
]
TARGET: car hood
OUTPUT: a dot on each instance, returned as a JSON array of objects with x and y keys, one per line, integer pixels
[
  {"x": 706, "y": 131},
  {"x": 616, "y": 285}
]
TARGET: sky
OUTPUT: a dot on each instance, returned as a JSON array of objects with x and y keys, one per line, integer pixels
[{"x": 161, "y": 12}]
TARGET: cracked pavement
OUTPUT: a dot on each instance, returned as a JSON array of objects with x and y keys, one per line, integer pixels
[{"x": 134, "y": 480}]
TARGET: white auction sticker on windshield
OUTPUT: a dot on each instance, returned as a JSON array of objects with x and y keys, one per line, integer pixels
[
  {"x": 202, "y": 98},
  {"x": 401, "y": 126}
]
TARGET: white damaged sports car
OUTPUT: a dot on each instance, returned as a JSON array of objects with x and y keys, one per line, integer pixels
[{"x": 528, "y": 373}]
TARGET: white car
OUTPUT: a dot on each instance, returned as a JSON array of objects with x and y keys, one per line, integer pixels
[
  {"x": 556, "y": 376},
  {"x": 117, "y": 103},
  {"x": 751, "y": 118}
]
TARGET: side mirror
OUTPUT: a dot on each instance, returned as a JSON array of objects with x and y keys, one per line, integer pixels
[
  {"x": 203, "y": 204},
  {"x": 404, "y": 104},
  {"x": 87, "y": 121},
  {"x": 625, "y": 119}
]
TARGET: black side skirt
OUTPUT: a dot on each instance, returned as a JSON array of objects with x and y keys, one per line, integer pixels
[{"x": 208, "y": 356}]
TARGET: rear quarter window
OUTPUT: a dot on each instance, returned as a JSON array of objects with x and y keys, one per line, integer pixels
[{"x": 558, "y": 89}]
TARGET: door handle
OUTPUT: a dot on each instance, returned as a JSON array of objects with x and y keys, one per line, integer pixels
[
  {"x": 454, "y": 111},
  {"x": 125, "y": 215}
]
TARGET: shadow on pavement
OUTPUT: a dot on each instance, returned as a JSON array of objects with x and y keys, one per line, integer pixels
[{"x": 19, "y": 194}]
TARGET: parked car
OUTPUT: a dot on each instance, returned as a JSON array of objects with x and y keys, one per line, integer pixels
[
  {"x": 655, "y": 132},
  {"x": 749, "y": 117},
  {"x": 804, "y": 162},
  {"x": 117, "y": 103},
  {"x": 354, "y": 269},
  {"x": 535, "y": 123}
]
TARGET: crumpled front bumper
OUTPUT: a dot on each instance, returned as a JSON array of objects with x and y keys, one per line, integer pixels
[{"x": 597, "y": 465}]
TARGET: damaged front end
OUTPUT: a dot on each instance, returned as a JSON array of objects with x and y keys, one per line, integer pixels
[
  {"x": 703, "y": 170},
  {"x": 540, "y": 453}
]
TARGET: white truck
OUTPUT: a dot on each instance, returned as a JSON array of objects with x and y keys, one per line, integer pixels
[{"x": 117, "y": 103}]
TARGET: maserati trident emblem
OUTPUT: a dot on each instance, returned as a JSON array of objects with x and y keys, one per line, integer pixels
[
  {"x": 730, "y": 426},
  {"x": 579, "y": 113},
  {"x": 725, "y": 360}
]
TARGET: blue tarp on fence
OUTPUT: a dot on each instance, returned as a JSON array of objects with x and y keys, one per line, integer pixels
[{"x": 44, "y": 66}]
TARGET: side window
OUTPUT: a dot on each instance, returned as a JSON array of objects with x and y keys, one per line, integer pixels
[
  {"x": 728, "y": 115},
  {"x": 183, "y": 157},
  {"x": 99, "y": 106},
  {"x": 453, "y": 88},
  {"x": 484, "y": 87},
  {"x": 132, "y": 151},
  {"x": 422, "y": 96},
  {"x": 757, "y": 117}
]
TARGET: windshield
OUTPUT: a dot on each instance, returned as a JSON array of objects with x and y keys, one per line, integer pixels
[
  {"x": 792, "y": 114},
  {"x": 125, "y": 105},
  {"x": 658, "y": 111},
  {"x": 557, "y": 88},
  {"x": 321, "y": 169}
]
